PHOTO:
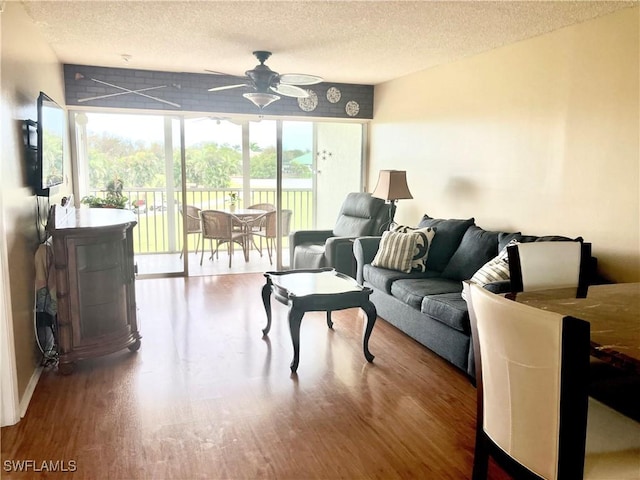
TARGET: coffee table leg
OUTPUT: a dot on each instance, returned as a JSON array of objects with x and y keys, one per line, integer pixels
[
  {"x": 370, "y": 309},
  {"x": 295, "y": 318},
  {"x": 266, "y": 299},
  {"x": 329, "y": 321}
]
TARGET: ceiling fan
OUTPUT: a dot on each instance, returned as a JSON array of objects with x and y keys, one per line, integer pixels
[{"x": 264, "y": 81}]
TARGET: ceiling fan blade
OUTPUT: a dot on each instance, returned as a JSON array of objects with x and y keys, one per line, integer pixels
[
  {"x": 215, "y": 72},
  {"x": 290, "y": 91},
  {"x": 228, "y": 87},
  {"x": 299, "y": 79}
]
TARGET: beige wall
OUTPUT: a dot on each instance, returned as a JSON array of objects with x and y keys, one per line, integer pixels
[
  {"x": 541, "y": 137},
  {"x": 28, "y": 66}
]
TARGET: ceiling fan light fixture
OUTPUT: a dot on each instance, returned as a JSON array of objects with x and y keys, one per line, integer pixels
[
  {"x": 262, "y": 79},
  {"x": 261, "y": 99}
]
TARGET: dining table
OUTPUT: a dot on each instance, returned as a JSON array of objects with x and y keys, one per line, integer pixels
[
  {"x": 245, "y": 218},
  {"x": 613, "y": 311}
]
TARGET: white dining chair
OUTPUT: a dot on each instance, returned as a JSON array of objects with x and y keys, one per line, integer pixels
[
  {"x": 543, "y": 265},
  {"x": 534, "y": 415}
]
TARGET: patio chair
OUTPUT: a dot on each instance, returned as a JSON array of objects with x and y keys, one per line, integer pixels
[
  {"x": 268, "y": 207},
  {"x": 269, "y": 230},
  {"x": 259, "y": 224},
  {"x": 194, "y": 227},
  {"x": 218, "y": 226},
  {"x": 535, "y": 418}
]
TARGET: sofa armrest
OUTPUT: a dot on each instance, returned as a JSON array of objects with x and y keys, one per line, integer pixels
[
  {"x": 306, "y": 236},
  {"x": 502, "y": 286},
  {"x": 364, "y": 250},
  {"x": 309, "y": 236},
  {"x": 339, "y": 254}
]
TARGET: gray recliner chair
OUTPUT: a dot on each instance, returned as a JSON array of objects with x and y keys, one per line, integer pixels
[{"x": 361, "y": 215}]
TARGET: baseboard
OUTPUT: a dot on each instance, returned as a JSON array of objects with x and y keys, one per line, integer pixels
[{"x": 28, "y": 392}]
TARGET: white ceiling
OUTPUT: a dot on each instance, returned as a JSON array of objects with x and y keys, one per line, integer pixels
[{"x": 365, "y": 42}]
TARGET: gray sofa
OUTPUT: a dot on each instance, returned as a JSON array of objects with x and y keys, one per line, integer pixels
[{"x": 428, "y": 305}]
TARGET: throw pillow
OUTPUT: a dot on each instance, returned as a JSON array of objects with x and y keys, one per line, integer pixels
[
  {"x": 396, "y": 251},
  {"x": 445, "y": 243},
  {"x": 477, "y": 247},
  {"x": 494, "y": 270},
  {"x": 423, "y": 242}
]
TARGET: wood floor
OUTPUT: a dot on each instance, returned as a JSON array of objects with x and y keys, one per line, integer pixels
[{"x": 208, "y": 397}]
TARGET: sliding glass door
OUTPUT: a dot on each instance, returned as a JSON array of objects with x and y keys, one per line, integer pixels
[
  {"x": 302, "y": 169},
  {"x": 130, "y": 158},
  {"x": 293, "y": 200}
]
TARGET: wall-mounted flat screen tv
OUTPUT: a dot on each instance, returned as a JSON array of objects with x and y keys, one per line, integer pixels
[{"x": 51, "y": 132}]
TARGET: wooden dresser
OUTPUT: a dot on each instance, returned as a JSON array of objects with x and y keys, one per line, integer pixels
[{"x": 95, "y": 283}]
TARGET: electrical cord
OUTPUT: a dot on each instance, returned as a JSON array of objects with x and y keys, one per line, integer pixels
[{"x": 44, "y": 310}]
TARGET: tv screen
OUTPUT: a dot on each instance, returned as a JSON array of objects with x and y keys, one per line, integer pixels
[{"x": 51, "y": 128}]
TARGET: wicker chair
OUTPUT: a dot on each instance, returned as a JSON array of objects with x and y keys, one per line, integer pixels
[
  {"x": 269, "y": 232},
  {"x": 218, "y": 226},
  {"x": 258, "y": 225},
  {"x": 194, "y": 227},
  {"x": 267, "y": 207}
]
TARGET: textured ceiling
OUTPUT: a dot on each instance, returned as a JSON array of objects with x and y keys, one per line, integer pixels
[{"x": 365, "y": 42}]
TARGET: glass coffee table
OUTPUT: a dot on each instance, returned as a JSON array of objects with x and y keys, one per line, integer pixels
[{"x": 316, "y": 290}]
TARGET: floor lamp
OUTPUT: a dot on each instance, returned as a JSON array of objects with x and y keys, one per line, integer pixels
[{"x": 391, "y": 187}]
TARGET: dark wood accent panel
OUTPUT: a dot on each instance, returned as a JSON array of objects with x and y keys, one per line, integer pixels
[
  {"x": 189, "y": 92},
  {"x": 93, "y": 250}
]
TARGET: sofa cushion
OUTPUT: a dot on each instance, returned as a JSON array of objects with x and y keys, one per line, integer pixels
[
  {"x": 446, "y": 241},
  {"x": 504, "y": 238},
  {"x": 424, "y": 237},
  {"x": 412, "y": 290},
  {"x": 476, "y": 248},
  {"x": 396, "y": 251},
  {"x": 447, "y": 308},
  {"x": 546, "y": 238},
  {"x": 382, "y": 278}
]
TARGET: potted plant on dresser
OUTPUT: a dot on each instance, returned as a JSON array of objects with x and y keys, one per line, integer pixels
[{"x": 113, "y": 198}]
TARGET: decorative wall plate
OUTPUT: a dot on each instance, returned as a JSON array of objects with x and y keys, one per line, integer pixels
[
  {"x": 310, "y": 103},
  {"x": 352, "y": 108},
  {"x": 333, "y": 95}
]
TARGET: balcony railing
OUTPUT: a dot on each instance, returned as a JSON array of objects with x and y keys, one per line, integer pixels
[{"x": 159, "y": 228}]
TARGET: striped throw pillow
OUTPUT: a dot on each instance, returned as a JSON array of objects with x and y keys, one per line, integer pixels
[
  {"x": 396, "y": 251},
  {"x": 494, "y": 270},
  {"x": 423, "y": 242}
]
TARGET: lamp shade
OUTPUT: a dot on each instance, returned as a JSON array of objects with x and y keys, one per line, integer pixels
[{"x": 392, "y": 185}]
